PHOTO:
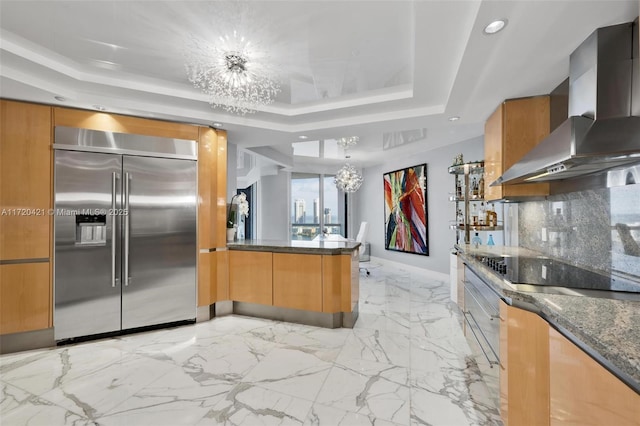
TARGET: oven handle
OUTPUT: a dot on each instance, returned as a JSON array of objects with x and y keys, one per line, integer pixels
[
  {"x": 491, "y": 363},
  {"x": 491, "y": 317}
]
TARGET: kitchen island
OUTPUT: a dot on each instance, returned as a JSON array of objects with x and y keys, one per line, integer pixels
[
  {"x": 308, "y": 282},
  {"x": 571, "y": 356}
]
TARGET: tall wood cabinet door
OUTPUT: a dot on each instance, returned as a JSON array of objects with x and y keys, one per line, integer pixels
[
  {"x": 207, "y": 174},
  {"x": 514, "y": 128},
  {"x": 24, "y": 297},
  {"x": 527, "y": 368},
  {"x": 526, "y": 123},
  {"x": 585, "y": 393},
  {"x": 25, "y": 180},
  {"x": 493, "y": 154},
  {"x": 212, "y": 188},
  {"x": 220, "y": 215}
]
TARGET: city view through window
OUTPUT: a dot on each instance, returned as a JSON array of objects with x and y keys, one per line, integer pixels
[{"x": 312, "y": 213}]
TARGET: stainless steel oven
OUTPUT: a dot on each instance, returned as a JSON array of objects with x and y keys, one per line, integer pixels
[
  {"x": 482, "y": 316},
  {"x": 482, "y": 329}
]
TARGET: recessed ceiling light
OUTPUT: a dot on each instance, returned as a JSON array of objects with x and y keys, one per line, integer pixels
[
  {"x": 60, "y": 98},
  {"x": 100, "y": 107},
  {"x": 454, "y": 118},
  {"x": 218, "y": 125},
  {"x": 495, "y": 26},
  {"x": 303, "y": 137}
]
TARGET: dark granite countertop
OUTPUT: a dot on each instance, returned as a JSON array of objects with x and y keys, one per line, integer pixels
[
  {"x": 607, "y": 328},
  {"x": 297, "y": 246}
]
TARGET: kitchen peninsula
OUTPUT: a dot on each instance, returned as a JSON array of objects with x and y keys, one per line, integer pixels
[
  {"x": 557, "y": 361},
  {"x": 310, "y": 282}
]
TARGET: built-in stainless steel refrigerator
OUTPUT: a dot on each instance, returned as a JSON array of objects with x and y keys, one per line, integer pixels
[{"x": 125, "y": 232}]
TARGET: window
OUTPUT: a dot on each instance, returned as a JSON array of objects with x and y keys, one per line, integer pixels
[
  {"x": 315, "y": 205},
  {"x": 332, "y": 209}
]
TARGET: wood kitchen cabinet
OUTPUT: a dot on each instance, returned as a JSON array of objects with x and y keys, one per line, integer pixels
[
  {"x": 212, "y": 190},
  {"x": 108, "y": 122},
  {"x": 297, "y": 281},
  {"x": 524, "y": 367},
  {"x": 251, "y": 277},
  {"x": 583, "y": 392},
  {"x": 25, "y": 180},
  {"x": 336, "y": 271},
  {"x": 516, "y": 126},
  {"x": 25, "y": 298},
  {"x": 545, "y": 379},
  {"x": 25, "y": 222},
  {"x": 322, "y": 283},
  {"x": 207, "y": 272},
  {"x": 207, "y": 159}
]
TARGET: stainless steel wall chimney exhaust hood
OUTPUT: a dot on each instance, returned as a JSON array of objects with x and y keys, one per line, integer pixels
[{"x": 601, "y": 132}]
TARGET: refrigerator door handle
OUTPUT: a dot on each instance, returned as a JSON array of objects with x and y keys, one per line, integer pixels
[
  {"x": 126, "y": 277},
  {"x": 114, "y": 182}
]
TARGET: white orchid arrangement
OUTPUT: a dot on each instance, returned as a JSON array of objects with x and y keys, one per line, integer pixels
[{"x": 243, "y": 209}]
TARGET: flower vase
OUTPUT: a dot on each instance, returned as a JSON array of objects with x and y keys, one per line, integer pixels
[{"x": 231, "y": 234}]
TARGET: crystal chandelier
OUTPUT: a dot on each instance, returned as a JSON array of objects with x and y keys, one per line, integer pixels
[
  {"x": 348, "y": 178},
  {"x": 234, "y": 73}
]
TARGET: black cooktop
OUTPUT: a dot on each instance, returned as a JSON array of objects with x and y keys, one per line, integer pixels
[{"x": 542, "y": 271}]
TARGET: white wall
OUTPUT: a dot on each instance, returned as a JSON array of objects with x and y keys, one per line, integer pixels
[
  {"x": 273, "y": 211},
  {"x": 369, "y": 202}
]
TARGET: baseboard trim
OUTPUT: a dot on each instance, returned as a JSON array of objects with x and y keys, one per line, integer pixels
[
  {"x": 317, "y": 319},
  {"x": 28, "y": 340},
  {"x": 205, "y": 313}
]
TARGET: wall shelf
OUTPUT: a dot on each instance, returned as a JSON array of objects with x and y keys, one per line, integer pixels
[
  {"x": 469, "y": 200},
  {"x": 476, "y": 227}
]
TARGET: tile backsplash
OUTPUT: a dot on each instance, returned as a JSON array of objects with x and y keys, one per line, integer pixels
[{"x": 596, "y": 229}]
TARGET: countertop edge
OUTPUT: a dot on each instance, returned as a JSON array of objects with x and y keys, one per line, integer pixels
[{"x": 275, "y": 248}]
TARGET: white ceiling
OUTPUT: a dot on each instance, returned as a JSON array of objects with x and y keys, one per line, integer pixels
[{"x": 391, "y": 72}]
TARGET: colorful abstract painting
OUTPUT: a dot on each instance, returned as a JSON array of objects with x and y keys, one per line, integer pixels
[{"x": 405, "y": 210}]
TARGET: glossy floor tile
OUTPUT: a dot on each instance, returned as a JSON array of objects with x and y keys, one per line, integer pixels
[{"x": 405, "y": 362}]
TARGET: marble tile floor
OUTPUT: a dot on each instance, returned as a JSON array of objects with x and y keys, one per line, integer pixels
[{"x": 405, "y": 363}]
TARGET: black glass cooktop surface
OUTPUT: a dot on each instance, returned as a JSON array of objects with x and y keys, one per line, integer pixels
[{"x": 546, "y": 272}]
